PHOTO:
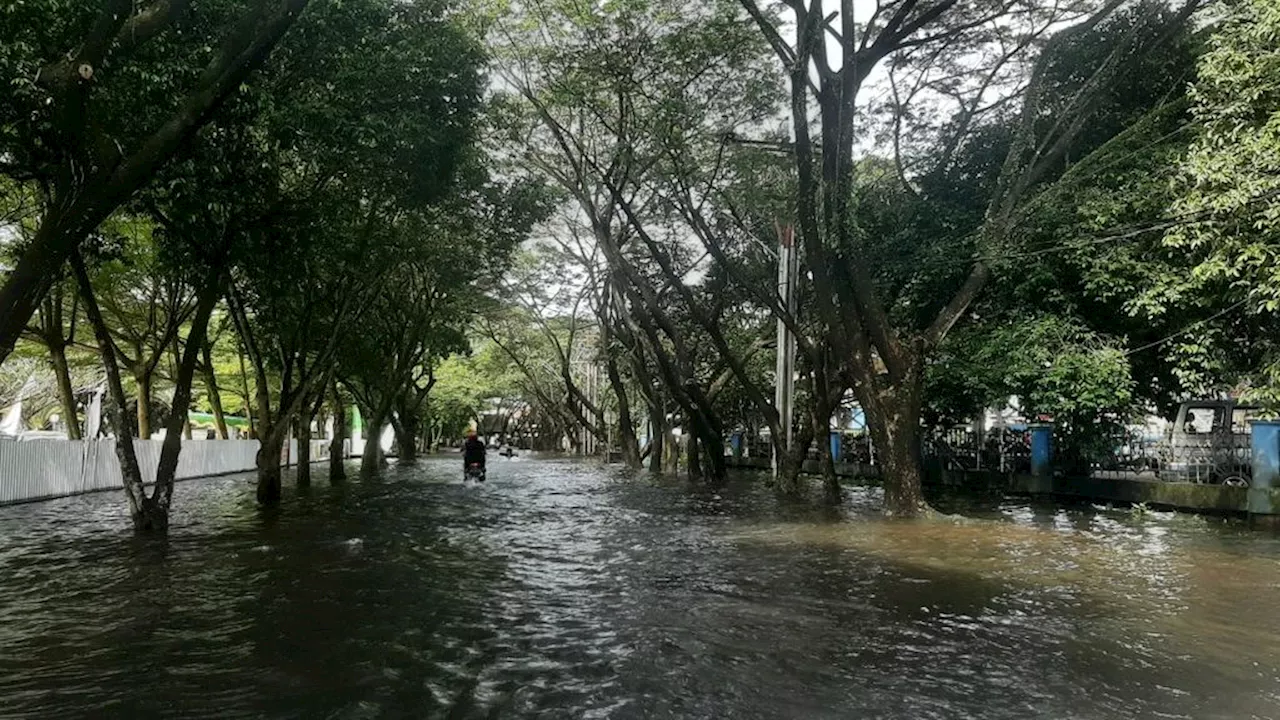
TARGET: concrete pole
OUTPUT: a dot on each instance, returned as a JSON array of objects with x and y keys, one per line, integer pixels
[{"x": 785, "y": 368}]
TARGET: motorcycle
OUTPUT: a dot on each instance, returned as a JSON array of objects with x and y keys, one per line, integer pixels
[{"x": 474, "y": 471}]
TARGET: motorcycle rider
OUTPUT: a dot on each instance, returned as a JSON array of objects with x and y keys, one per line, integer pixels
[{"x": 473, "y": 451}]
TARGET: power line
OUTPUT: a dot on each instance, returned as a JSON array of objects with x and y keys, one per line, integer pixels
[
  {"x": 1129, "y": 233},
  {"x": 1188, "y": 328}
]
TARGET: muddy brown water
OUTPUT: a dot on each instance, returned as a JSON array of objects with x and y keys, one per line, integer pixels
[{"x": 562, "y": 589}]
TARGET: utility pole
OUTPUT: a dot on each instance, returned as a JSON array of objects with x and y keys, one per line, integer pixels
[{"x": 785, "y": 370}]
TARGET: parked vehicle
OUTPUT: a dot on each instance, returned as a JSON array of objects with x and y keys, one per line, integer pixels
[{"x": 1209, "y": 443}]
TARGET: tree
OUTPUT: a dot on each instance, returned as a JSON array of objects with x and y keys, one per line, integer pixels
[
  {"x": 87, "y": 124},
  {"x": 1229, "y": 184},
  {"x": 55, "y": 329},
  {"x": 450, "y": 254},
  {"x": 616, "y": 89},
  {"x": 886, "y": 349},
  {"x": 356, "y": 162},
  {"x": 149, "y": 512},
  {"x": 292, "y": 318}
]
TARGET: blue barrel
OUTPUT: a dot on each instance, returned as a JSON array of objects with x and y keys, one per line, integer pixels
[
  {"x": 835, "y": 446},
  {"x": 735, "y": 441},
  {"x": 1041, "y": 450},
  {"x": 1264, "y": 439}
]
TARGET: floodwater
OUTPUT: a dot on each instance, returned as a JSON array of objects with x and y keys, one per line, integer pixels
[{"x": 562, "y": 589}]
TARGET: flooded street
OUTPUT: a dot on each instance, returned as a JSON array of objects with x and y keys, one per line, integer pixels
[{"x": 562, "y": 589}]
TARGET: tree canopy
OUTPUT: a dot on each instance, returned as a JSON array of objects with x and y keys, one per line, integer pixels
[{"x": 561, "y": 223}]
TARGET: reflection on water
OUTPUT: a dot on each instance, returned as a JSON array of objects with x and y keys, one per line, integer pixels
[{"x": 562, "y": 590}]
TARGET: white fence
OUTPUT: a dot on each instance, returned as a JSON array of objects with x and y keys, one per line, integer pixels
[{"x": 39, "y": 469}]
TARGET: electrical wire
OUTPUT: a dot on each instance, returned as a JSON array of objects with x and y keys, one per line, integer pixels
[
  {"x": 1233, "y": 307},
  {"x": 1129, "y": 233}
]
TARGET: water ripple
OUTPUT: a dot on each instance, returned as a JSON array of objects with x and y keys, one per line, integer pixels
[{"x": 563, "y": 590}]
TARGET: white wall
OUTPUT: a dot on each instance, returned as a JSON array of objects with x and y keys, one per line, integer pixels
[{"x": 38, "y": 469}]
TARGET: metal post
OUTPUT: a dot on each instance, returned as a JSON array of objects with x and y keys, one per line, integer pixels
[{"x": 784, "y": 377}]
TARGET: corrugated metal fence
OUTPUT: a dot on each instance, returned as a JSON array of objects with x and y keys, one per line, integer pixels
[{"x": 38, "y": 469}]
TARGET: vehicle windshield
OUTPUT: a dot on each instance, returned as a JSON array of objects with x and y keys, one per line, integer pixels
[{"x": 1203, "y": 420}]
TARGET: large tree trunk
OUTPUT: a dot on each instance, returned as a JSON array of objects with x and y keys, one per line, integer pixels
[
  {"x": 337, "y": 447},
  {"x": 822, "y": 407},
  {"x": 826, "y": 464},
  {"x": 304, "y": 450},
  {"x": 272, "y": 433},
  {"x": 142, "y": 377},
  {"x": 627, "y": 440},
  {"x": 270, "y": 448},
  {"x": 710, "y": 453},
  {"x": 406, "y": 427},
  {"x": 897, "y": 441},
  {"x": 791, "y": 459},
  {"x": 371, "y": 460},
  {"x": 215, "y": 397},
  {"x": 29, "y": 281},
  {"x": 657, "y": 440},
  {"x": 714, "y": 467},
  {"x": 893, "y": 417},
  {"x": 66, "y": 394}
]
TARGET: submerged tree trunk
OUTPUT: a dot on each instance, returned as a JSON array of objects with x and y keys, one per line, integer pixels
[
  {"x": 215, "y": 396},
  {"x": 272, "y": 433},
  {"x": 826, "y": 465},
  {"x": 791, "y": 459},
  {"x": 270, "y": 448},
  {"x": 627, "y": 441},
  {"x": 657, "y": 439},
  {"x": 709, "y": 453},
  {"x": 304, "y": 450},
  {"x": 337, "y": 446},
  {"x": 822, "y": 407},
  {"x": 405, "y": 425},
  {"x": 893, "y": 418},
  {"x": 897, "y": 443},
  {"x": 371, "y": 460},
  {"x": 66, "y": 394},
  {"x": 714, "y": 466}
]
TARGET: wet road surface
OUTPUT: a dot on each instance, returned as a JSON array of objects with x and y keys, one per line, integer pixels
[{"x": 561, "y": 589}]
